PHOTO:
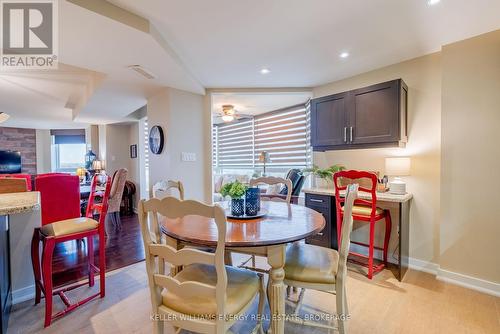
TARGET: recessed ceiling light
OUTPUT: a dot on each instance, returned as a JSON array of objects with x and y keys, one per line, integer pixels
[
  {"x": 433, "y": 2},
  {"x": 265, "y": 71},
  {"x": 344, "y": 54}
]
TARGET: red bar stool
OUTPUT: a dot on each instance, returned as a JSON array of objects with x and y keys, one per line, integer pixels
[
  {"x": 365, "y": 211},
  {"x": 70, "y": 229}
]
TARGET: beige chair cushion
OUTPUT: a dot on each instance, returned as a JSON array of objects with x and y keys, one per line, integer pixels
[
  {"x": 242, "y": 286},
  {"x": 362, "y": 210},
  {"x": 69, "y": 226},
  {"x": 311, "y": 264}
]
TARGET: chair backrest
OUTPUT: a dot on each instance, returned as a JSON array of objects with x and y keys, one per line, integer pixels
[
  {"x": 12, "y": 185},
  {"x": 100, "y": 208},
  {"x": 345, "y": 238},
  {"x": 271, "y": 180},
  {"x": 117, "y": 186},
  {"x": 161, "y": 189},
  {"x": 27, "y": 177},
  {"x": 342, "y": 179},
  {"x": 295, "y": 175},
  {"x": 59, "y": 197},
  {"x": 172, "y": 208}
]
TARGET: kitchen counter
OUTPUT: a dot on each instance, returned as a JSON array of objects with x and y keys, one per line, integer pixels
[
  {"x": 15, "y": 203},
  {"x": 386, "y": 196}
]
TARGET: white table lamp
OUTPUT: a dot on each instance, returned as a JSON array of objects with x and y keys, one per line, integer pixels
[{"x": 397, "y": 166}]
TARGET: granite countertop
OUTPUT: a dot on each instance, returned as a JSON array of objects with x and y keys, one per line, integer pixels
[
  {"x": 19, "y": 202},
  {"x": 387, "y": 197}
]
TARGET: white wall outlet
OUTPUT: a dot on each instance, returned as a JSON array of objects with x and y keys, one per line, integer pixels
[{"x": 188, "y": 156}]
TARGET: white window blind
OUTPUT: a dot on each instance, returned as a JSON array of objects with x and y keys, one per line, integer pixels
[
  {"x": 283, "y": 133},
  {"x": 235, "y": 145}
]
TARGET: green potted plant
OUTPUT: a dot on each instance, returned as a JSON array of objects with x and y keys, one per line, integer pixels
[
  {"x": 235, "y": 190},
  {"x": 324, "y": 176}
]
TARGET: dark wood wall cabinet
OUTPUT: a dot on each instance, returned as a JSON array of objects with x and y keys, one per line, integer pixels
[{"x": 369, "y": 117}]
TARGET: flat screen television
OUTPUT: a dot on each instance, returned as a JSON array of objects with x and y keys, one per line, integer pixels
[{"x": 10, "y": 162}]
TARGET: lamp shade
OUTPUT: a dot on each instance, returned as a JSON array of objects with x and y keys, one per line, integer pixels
[
  {"x": 397, "y": 166},
  {"x": 3, "y": 117},
  {"x": 264, "y": 157},
  {"x": 97, "y": 165}
]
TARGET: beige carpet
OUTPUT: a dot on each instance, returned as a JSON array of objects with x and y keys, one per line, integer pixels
[{"x": 420, "y": 304}]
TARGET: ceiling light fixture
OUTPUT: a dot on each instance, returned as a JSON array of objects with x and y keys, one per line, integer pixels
[
  {"x": 265, "y": 71},
  {"x": 227, "y": 118},
  {"x": 3, "y": 117},
  {"x": 142, "y": 71},
  {"x": 433, "y": 2},
  {"x": 344, "y": 54}
]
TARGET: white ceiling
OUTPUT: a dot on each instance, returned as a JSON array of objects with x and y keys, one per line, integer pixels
[
  {"x": 227, "y": 42},
  {"x": 224, "y": 43}
]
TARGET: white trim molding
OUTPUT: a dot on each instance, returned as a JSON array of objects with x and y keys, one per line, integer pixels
[
  {"x": 469, "y": 282},
  {"x": 24, "y": 294}
]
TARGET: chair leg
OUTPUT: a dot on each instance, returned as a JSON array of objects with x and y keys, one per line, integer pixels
[
  {"x": 48, "y": 250},
  {"x": 341, "y": 302},
  {"x": 253, "y": 261},
  {"x": 158, "y": 326},
  {"x": 102, "y": 265},
  {"x": 370, "y": 250},
  {"x": 90, "y": 254},
  {"x": 262, "y": 302},
  {"x": 35, "y": 261},
  {"x": 118, "y": 220},
  {"x": 388, "y": 228}
]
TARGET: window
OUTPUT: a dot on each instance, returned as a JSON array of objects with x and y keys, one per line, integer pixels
[
  {"x": 68, "y": 150},
  {"x": 283, "y": 133}
]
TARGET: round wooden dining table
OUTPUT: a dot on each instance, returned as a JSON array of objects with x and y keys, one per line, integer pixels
[{"x": 267, "y": 236}]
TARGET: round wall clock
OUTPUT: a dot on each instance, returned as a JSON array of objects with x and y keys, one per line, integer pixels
[{"x": 156, "y": 139}]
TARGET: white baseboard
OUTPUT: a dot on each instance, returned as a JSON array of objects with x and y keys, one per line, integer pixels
[
  {"x": 24, "y": 294},
  {"x": 462, "y": 280},
  {"x": 469, "y": 282},
  {"x": 424, "y": 266}
]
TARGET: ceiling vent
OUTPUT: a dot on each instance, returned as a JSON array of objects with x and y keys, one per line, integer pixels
[{"x": 142, "y": 71}]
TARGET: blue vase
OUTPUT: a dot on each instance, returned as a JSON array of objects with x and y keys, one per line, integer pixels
[
  {"x": 237, "y": 207},
  {"x": 252, "y": 201}
]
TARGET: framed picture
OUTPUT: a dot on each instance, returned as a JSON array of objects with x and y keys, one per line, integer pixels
[{"x": 133, "y": 151}]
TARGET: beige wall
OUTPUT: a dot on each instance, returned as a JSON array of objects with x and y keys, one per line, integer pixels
[
  {"x": 186, "y": 127},
  {"x": 470, "y": 226},
  {"x": 423, "y": 77},
  {"x": 43, "y": 151},
  {"x": 117, "y": 147}
]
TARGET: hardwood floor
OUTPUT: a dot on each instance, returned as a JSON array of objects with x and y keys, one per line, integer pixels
[{"x": 123, "y": 248}]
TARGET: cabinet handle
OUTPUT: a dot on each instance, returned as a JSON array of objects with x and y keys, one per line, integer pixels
[
  {"x": 316, "y": 200},
  {"x": 350, "y": 130},
  {"x": 320, "y": 234},
  {"x": 345, "y": 134}
]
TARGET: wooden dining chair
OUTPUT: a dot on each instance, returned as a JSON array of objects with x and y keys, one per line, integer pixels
[
  {"x": 205, "y": 296},
  {"x": 12, "y": 185},
  {"x": 275, "y": 197},
  {"x": 272, "y": 181},
  {"x": 323, "y": 269},
  {"x": 62, "y": 231},
  {"x": 162, "y": 189}
]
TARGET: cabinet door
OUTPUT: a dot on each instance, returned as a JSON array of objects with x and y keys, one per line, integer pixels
[
  {"x": 374, "y": 114},
  {"x": 323, "y": 238},
  {"x": 329, "y": 120}
]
